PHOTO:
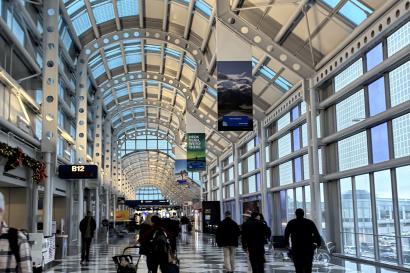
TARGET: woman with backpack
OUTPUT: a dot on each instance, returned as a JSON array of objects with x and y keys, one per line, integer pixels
[{"x": 157, "y": 246}]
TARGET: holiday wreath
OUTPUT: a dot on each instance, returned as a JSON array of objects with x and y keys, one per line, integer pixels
[{"x": 16, "y": 158}]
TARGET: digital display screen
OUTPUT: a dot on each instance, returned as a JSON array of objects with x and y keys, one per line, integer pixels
[{"x": 78, "y": 171}]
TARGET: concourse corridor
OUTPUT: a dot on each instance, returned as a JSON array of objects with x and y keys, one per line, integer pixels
[{"x": 198, "y": 254}]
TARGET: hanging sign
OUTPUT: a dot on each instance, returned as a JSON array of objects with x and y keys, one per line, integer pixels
[
  {"x": 78, "y": 171},
  {"x": 196, "y": 157},
  {"x": 234, "y": 81},
  {"x": 181, "y": 171}
]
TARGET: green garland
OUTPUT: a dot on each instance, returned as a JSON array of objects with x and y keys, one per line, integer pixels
[{"x": 15, "y": 158}]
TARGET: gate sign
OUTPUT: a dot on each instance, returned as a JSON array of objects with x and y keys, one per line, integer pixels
[{"x": 78, "y": 171}]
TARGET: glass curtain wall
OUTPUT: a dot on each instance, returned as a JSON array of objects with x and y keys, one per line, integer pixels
[{"x": 373, "y": 196}]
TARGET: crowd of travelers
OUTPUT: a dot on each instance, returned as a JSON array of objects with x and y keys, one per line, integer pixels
[{"x": 158, "y": 242}]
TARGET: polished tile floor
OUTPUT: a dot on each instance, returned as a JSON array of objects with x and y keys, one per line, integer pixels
[{"x": 199, "y": 254}]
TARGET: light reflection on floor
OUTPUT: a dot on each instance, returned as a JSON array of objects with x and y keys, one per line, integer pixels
[{"x": 199, "y": 254}]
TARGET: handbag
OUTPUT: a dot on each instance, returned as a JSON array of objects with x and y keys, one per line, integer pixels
[{"x": 173, "y": 263}]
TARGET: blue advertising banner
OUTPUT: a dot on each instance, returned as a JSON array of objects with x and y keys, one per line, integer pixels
[
  {"x": 196, "y": 156},
  {"x": 235, "y": 104}
]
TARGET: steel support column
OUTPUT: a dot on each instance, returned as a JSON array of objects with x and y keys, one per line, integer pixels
[
  {"x": 316, "y": 210},
  {"x": 262, "y": 167},
  {"x": 221, "y": 185},
  {"x": 235, "y": 152},
  {"x": 49, "y": 105}
]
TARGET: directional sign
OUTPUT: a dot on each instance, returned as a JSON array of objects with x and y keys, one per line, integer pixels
[{"x": 78, "y": 171}]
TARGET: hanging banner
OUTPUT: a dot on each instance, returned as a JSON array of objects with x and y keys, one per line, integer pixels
[
  {"x": 234, "y": 81},
  {"x": 181, "y": 168},
  {"x": 196, "y": 144},
  {"x": 196, "y": 156}
]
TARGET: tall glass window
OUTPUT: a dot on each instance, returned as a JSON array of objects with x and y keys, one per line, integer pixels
[
  {"x": 350, "y": 110},
  {"x": 348, "y": 75},
  {"x": 384, "y": 214},
  {"x": 399, "y": 87},
  {"x": 403, "y": 194},
  {"x": 285, "y": 173},
  {"x": 401, "y": 136},
  {"x": 398, "y": 40},
  {"x": 304, "y": 135},
  {"x": 380, "y": 143},
  {"x": 297, "y": 167},
  {"x": 296, "y": 139},
  {"x": 284, "y": 145},
  {"x": 283, "y": 121},
  {"x": 306, "y": 167},
  {"x": 377, "y": 97},
  {"x": 353, "y": 151},
  {"x": 290, "y": 204},
  {"x": 374, "y": 57},
  {"x": 349, "y": 240},
  {"x": 364, "y": 216}
]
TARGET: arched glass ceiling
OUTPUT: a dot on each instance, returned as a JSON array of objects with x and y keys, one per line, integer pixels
[
  {"x": 149, "y": 193},
  {"x": 147, "y": 168},
  {"x": 145, "y": 142},
  {"x": 132, "y": 131},
  {"x": 129, "y": 52},
  {"x": 134, "y": 90},
  {"x": 104, "y": 11}
]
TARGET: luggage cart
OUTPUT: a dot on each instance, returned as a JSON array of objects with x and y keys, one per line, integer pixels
[{"x": 124, "y": 263}]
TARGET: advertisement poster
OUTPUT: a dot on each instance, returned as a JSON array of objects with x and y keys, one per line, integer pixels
[
  {"x": 196, "y": 157},
  {"x": 235, "y": 104},
  {"x": 181, "y": 172},
  {"x": 122, "y": 215}
]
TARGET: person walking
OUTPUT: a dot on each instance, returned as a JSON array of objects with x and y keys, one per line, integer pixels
[
  {"x": 87, "y": 228},
  {"x": 305, "y": 238},
  {"x": 15, "y": 249},
  {"x": 227, "y": 236},
  {"x": 157, "y": 240},
  {"x": 268, "y": 232},
  {"x": 253, "y": 242}
]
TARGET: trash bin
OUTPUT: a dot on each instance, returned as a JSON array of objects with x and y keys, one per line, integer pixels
[{"x": 61, "y": 246}]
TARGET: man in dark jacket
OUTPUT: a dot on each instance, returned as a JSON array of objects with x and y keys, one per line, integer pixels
[
  {"x": 227, "y": 236},
  {"x": 305, "y": 238},
  {"x": 157, "y": 240},
  {"x": 87, "y": 228},
  {"x": 253, "y": 242}
]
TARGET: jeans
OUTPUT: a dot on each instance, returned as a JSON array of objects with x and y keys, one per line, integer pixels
[
  {"x": 229, "y": 258},
  {"x": 85, "y": 248}
]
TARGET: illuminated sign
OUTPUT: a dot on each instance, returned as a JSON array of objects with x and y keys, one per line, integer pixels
[{"x": 78, "y": 171}]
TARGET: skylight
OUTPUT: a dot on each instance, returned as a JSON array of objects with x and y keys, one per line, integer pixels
[
  {"x": 353, "y": 10},
  {"x": 201, "y": 6},
  {"x": 74, "y": 6},
  {"x": 269, "y": 75},
  {"x": 127, "y": 8},
  {"x": 103, "y": 12},
  {"x": 190, "y": 62},
  {"x": 81, "y": 22}
]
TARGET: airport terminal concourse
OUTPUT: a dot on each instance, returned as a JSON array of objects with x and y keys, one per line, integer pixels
[{"x": 122, "y": 118}]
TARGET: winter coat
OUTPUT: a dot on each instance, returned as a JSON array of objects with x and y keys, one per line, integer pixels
[
  {"x": 254, "y": 236},
  {"x": 84, "y": 223},
  {"x": 143, "y": 240},
  {"x": 304, "y": 235},
  {"x": 227, "y": 233}
]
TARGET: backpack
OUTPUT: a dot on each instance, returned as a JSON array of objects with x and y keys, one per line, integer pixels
[
  {"x": 159, "y": 243},
  {"x": 12, "y": 237}
]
